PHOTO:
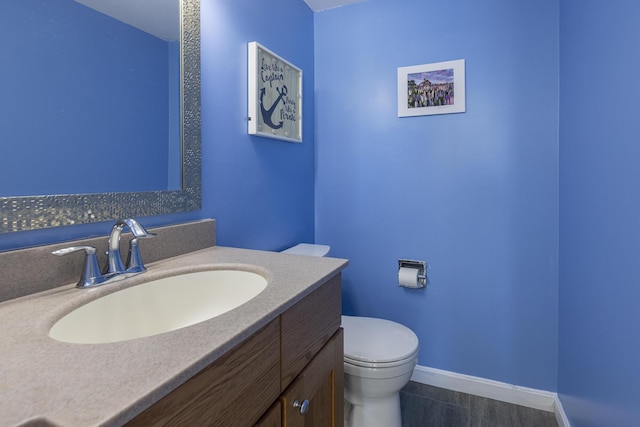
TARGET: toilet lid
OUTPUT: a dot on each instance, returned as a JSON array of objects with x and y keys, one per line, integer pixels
[{"x": 372, "y": 340}]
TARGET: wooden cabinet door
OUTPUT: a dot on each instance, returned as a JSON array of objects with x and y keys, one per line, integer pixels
[
  {"x": 273, "y": 417},
  {"x": 316, "y": 397}
]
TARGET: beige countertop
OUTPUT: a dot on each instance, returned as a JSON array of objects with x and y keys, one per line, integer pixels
[{"x": 108, "y": 384}]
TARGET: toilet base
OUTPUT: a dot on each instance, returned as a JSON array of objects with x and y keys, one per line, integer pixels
[
  {"x": 373, "y": 375},
  {"x": 373, "y": 412},
  {"x": 373, "y": 394}
]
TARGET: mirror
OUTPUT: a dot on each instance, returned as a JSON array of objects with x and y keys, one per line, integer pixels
[{"x": 114, "y": 161}]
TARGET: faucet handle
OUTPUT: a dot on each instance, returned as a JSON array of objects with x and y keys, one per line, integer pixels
[
  {"x": 134, "y": 260},
  {"x": 91, "y": 275}
]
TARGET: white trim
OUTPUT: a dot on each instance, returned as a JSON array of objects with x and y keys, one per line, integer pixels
[
  {"x": 529, "y": 397},
  {"x": 561, "y": 416}
]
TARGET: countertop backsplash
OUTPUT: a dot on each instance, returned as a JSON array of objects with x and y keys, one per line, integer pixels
[{"x": 28, "y": 271}]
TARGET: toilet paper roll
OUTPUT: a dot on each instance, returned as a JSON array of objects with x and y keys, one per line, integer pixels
[{"x": 408, "y": 277}]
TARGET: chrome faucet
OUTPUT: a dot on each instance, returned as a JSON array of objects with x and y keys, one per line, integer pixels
[
  {"x": 115, "y": 269},
  {"x": 134, "y": 260}
]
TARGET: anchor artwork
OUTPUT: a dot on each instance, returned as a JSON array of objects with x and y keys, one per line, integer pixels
[{"x": 275, "y": 96}]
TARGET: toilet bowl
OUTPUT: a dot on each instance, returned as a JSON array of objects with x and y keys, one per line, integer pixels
[{"x": 379, "y": 358}]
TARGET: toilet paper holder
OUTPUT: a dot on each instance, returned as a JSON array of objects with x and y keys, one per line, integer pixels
[{"x": 422, "y": 270}]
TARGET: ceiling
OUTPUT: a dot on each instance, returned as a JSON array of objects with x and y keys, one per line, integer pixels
[
  {"x": 160, "y": 18},
  {"x": 318, "y": 5}
]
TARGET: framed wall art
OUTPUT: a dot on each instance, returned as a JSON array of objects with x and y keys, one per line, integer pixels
[
  {"x": 275, "y": 96},
  {"x": 436, "y": 88}
]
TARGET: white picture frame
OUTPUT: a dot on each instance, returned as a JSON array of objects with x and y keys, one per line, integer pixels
[
  {"x": 437, "y": 88},
  {"x": 275, "y": 95}
]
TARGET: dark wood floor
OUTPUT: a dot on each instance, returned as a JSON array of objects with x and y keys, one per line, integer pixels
[{"x": 428, "y": 406}]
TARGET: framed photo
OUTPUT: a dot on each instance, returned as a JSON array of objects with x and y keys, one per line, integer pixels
[
  {"x": 275, "y": 96},
  {"x": 436, "y": 88}
]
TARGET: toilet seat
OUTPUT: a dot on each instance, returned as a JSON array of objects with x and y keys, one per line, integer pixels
[
  {"x": 380, "y": 365},
  {"x": 377, "y": 343}
]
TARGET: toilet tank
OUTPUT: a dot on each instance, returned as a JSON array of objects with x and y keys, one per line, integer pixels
[{"x": 308, "y": 249}]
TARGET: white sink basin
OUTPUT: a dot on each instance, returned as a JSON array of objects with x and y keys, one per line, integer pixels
[{"x": 158, "y": 306}]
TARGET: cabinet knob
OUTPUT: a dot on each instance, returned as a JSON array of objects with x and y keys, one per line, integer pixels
[{"x": 304, "y": 406}]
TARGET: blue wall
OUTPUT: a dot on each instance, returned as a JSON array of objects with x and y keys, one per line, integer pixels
[
  {"x": 474, "y": 194},
  {"x": 599, "y": 375},
  {"x": 259, "y": 190}
]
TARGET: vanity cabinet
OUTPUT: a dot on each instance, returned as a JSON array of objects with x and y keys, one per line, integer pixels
[
  {"x": 272, "y": 418},
  {"x": 289, "y": 373},
  {"x": 315, "y": 397}
]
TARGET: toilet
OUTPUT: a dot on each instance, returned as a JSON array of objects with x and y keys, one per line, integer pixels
[{"x": 379, "y": 358}]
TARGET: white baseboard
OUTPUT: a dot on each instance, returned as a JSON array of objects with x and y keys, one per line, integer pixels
[
  {"x": 529, "y": 397},
  {"x": 561, "y": 416}
]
